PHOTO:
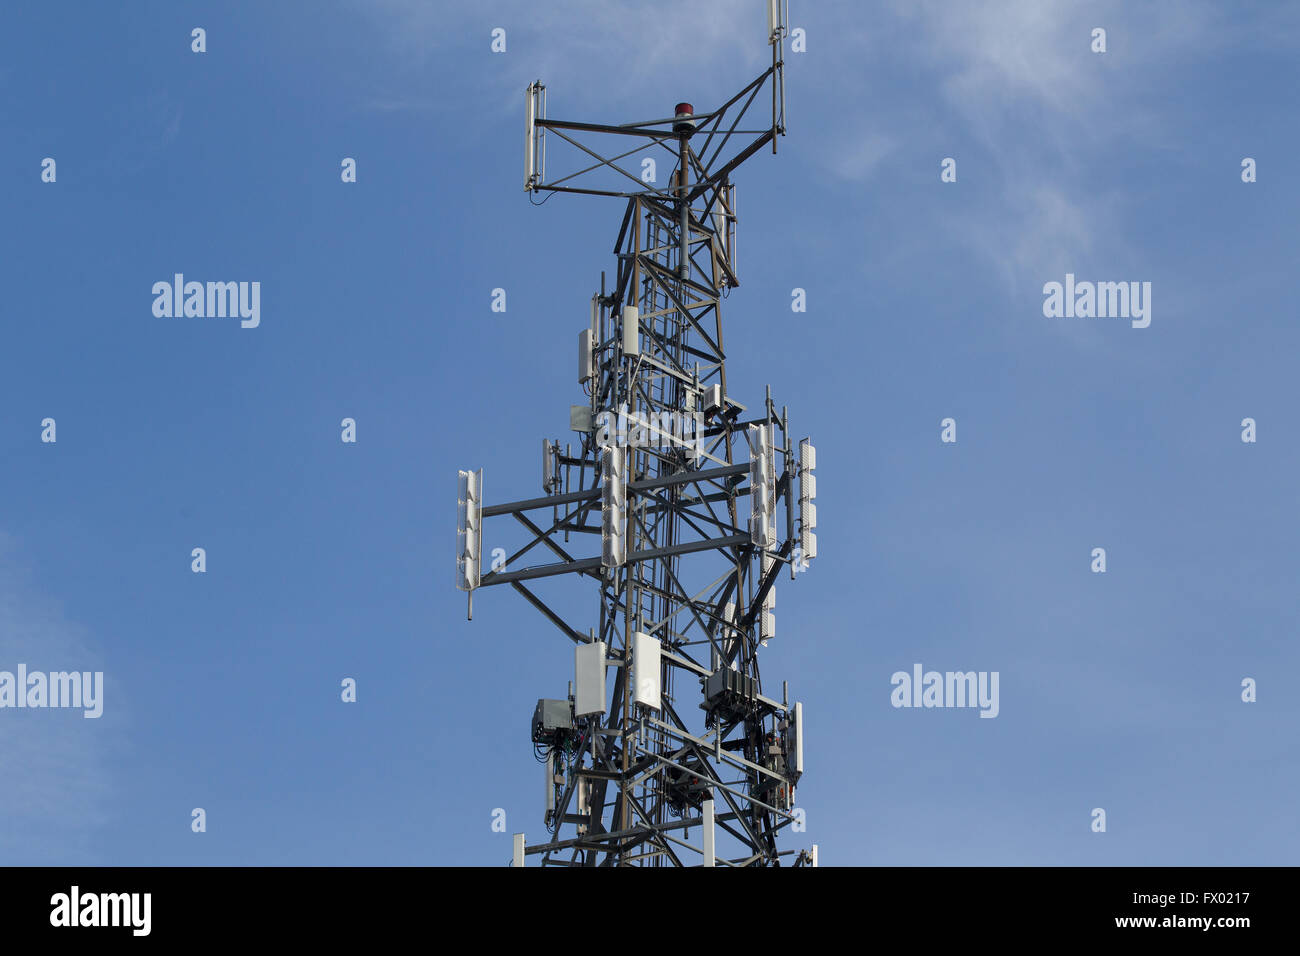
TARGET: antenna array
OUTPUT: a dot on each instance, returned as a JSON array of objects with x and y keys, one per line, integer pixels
[{"x": 687, "y": 738}]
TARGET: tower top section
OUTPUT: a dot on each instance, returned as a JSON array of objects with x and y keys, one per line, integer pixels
[{"x": 592, "y": 158}]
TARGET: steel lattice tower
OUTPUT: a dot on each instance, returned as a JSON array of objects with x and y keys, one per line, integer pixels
[{"x": 692, "y": 533}]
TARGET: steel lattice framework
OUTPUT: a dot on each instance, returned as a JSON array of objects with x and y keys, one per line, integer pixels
[{"x": 685, "y": 490}]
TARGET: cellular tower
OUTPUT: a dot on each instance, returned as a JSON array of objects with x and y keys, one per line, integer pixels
[{"x": 668, "y": 749}]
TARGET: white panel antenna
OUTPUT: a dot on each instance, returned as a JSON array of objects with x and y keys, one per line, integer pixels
[
  {"x": 762, "y": 487},
  {"x": 589, "y": 679},
  {"x": 795, "y": 754},
  {"x": 631, "y": 330},
  {"x": 534, "y": 136},
  {"x": 807, "y": 494},
  {"x": 586, "y": 356},
  {"x": 550, "y": 466},
  {"x": 469, "y": 524},
  {"x": 709, "y": 853},
  {"x": 766, "y": 619},
  {"x": 646, "y": 670},
  {"x": 613, "y": 507}
]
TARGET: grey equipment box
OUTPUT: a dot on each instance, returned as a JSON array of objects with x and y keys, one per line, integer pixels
[
  {"x": 726, "y": 684},
  {"x": 551, "y": 718}
]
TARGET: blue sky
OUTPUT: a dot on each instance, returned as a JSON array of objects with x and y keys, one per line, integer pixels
[{"x": 327, "y": 560}]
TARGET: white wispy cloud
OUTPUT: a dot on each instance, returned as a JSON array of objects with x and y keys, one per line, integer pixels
[
  {"x": 56, "y": 765},
  {"x": 588, "y": 52},
  {"x": 858, "y": 155},
  {"x": 1018, "y": 80}
]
